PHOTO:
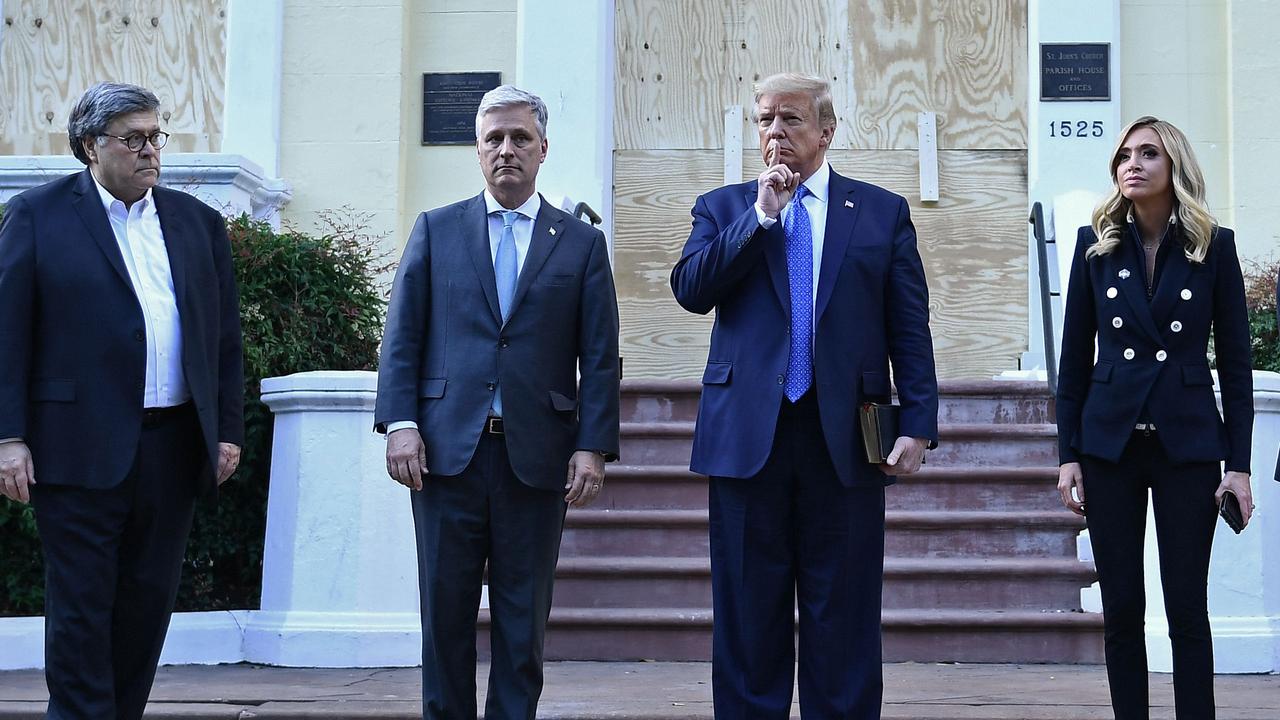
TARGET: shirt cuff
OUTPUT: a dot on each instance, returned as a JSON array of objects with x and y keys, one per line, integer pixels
[
  {"x": 10, "y": 440},
  {"x": 401, "y": 425},
  {"x": 766, "y": 222}
]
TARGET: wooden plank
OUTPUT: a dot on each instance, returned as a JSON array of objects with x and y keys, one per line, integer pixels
[
  {"x": 972, "y": 242},
  {"x": 679, "y": 61},
  {"x": 50, "y": 52}
]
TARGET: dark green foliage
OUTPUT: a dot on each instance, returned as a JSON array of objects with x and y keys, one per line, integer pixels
[
  {"x": 1260, "y": 293},
  {"x": 306, "y": 303}
]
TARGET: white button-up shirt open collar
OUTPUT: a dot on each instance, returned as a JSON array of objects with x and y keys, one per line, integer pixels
[{"x": 141, "y": 241}]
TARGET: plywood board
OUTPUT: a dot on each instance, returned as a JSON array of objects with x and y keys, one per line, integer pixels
[
  {"x": 972, "y": 242},
  {"x": 679, "y": 62},
  {"x": 51, "y": 51}
]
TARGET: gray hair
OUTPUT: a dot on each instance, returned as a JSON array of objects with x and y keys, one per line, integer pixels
[
  {"x": 101, "y": 104},
  {"x": 509, "y": 96},
  {"x": 796, "y": 84}
]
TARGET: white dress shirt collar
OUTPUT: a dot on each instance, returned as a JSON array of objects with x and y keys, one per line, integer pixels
[
  {"x": 528, "y": 209},
  {"x": 146, "y": 205},
  {"x": 819, "y": 183}
]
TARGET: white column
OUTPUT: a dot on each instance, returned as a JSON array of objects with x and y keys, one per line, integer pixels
[
  {"x": 1063, "y": 170},
  {"x": 339, "y": 571},
  {"x": 251, "y": 110},
  {"x": 564, "y": 54}
]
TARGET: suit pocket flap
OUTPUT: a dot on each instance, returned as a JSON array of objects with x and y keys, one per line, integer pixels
[
  {"x": 717, "y": 373},
  {"x": 1196, "y": 375},
  {"x": 53, "y": 390},
  {"x": 431, "y": 387},
  {"x": 1102, "y": 372},
  {"x": 562, "y": 403},
  {"x": 875, "y": 384}
]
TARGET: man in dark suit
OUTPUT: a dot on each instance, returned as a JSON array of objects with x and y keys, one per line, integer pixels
[
  {"x": 498, "y": 390},
  {"x": 123, "y": 388},
  {"x": 817, "y": 288}
]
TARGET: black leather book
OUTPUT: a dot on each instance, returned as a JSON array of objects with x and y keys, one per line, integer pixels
[{"x": 879, "y": 430}]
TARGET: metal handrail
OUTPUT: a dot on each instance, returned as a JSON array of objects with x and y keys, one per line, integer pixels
[
  {"x": 582, "y": 209},
  {"x": 1046, "y": 309}
]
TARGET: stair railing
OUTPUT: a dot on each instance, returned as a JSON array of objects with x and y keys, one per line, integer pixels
[{"x": 1046, "y": 294}]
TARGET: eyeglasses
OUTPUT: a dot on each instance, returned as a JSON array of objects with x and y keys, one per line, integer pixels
[{"x": 134, "y": 142}]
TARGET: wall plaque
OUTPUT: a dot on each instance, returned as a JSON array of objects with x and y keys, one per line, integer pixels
[
  {"x": 449, "y": 103},
  {"x": 1075, "y": 72}
]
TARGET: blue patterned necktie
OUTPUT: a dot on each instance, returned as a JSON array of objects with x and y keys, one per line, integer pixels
[
  {"x": 504, "y": 264},
  {"x": 799, "y": 235},
  {"x": 505, "y": 271}
]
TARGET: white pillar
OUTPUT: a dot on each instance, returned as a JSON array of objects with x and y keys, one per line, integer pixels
[
  {"x": 1058, "y": 165},
  {"x": 339, "y": 572},
  {"x": 564, "y": 54},
  {"x": 1244, "y": 572},
  {"x": 251, "y": 101}
]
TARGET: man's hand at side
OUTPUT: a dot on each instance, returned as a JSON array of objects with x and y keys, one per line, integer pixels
[
  {"x": 908, "y": 453},
  {"x": 586, "y": 475},
  {"x": 406, "y": 457},
  {"x": 228, "y": 460},
  {"x": 16, "y": 471}
]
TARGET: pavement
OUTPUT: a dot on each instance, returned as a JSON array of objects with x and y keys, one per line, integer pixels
[{"x": 643, "y": 691}]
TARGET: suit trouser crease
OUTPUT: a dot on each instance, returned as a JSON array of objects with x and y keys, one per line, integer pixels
[
  {"x": 1185, "y": 518},
  {"x": 791, "y": 536},
  {"x": 463, "y": 522},
  {"x": 113, "y": 560}
]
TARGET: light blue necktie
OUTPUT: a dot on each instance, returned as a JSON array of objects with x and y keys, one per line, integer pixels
[
  {"x": 799, "y": 237},
  {"x": 505, "y": 270}
]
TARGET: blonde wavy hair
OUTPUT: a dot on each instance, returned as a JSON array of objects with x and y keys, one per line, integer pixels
[{"x": 1197, "y": 223}]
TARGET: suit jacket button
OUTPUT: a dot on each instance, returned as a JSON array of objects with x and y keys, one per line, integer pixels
[
  {"x": 1117, "y": 322},
  {"x": 1112, "y": 292},
  {"x": 781, "y": 379},
  {"x": 1186, "y": 294},
  {"x": 1129, "y": 353},
  {"x": 502, "y": 342},
  {"x": 1176, "y": 326},
  {"x": 139, "y": 335},
  {"x": 490, "y": 385},
  {"x": 1161, "y": 355}
]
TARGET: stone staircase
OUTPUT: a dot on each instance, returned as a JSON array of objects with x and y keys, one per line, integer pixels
[{"x": 980, "y": 556}]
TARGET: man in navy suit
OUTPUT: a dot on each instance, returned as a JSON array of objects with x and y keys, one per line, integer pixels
[
  {"x": 817, "y": 287},
  {"x": 498, "y": 391},
  {"x": 122, "y": 388}
]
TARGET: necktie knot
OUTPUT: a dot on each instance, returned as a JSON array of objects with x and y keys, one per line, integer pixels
[
  {"x": 508, "y": 217},
  {"x": 801, "y": 193}
]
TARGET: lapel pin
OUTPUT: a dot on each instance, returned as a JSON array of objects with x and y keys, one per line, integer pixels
[
  {"x": 552, "y": 231},
  {"x": 1124, "y": 274},
  {"x": 848, "y": 203}
]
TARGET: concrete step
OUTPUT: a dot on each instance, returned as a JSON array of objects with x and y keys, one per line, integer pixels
[
  {"x": 965, "y": 401},
  {"x": 968, "y": 444},
  {"x": 683, "y": 533},
  {"x": 939, "y": 583},
  {"x": 668, "y": 634}
]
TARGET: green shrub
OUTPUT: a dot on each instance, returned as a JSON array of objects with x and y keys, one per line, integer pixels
[
  {"x": 307, "y": 302},
  {"x": 1260, "y": 294}
]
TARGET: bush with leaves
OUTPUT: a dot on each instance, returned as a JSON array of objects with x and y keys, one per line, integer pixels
[
  {"x": 1260, "y": 298},
  {"x": 307, "y": 302}
]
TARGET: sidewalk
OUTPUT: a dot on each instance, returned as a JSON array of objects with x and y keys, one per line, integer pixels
[{"x": 644, "y": 691}]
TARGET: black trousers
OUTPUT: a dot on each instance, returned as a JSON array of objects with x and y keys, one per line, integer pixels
[
  {"x": 1185, "y": 516},
  {"x": 793, "y": 533},
  {"x": 463, "y": 521},
  {"x": 112, "y": 563}
]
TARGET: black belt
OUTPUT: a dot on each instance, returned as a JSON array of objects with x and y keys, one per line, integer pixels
[
  {"x": 493, "y": 426},
  {"x": 152, "y": 417}
]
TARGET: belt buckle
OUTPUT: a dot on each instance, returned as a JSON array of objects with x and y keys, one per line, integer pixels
[{"x": 493, "y": 426}]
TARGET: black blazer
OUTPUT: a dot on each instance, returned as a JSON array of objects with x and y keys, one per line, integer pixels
[
  {"x": 446, "y": 346},
  {"x": 73, "y": 360},
  {"x": 1154, "y": 353}
]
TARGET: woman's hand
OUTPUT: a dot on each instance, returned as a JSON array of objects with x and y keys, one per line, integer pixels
[
  {"x": 1070, "y": 478},
  {"x": 1238, "y": 483}
]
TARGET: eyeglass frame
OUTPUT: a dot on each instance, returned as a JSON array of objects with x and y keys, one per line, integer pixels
[{"x": 146, "y": 139}]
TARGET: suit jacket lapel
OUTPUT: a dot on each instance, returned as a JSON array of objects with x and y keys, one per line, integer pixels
[
  {"x": 546, "y": 231},
  {"x": 1133, "y": 287},
  {"x": 842, "y": 213},
  {"x": 88, "y": 206},
  {"x": 172, "y": 228},
  {"x": 775, "y": 257},
  {"x": 473, "y": 223},
  {"x": 1177, "y": 268}
]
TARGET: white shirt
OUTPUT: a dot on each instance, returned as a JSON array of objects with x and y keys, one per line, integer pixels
[
  {"x": 141, "y": 241},
  {"x": 815, "y": 203},
  {"x": 522, "y": 228}
]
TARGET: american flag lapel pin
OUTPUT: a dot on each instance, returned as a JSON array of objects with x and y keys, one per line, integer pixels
[
  {"x": 552, "y": 231},
  {"x": 848, "y": 203}
]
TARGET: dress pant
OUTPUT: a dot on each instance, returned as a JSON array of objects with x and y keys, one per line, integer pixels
[
  {"x": 793, "y": 533},
  {"x": 463, "y": 521},
  {"x": 1185, "y": 515},
  {"x": 113, "y": 559}
]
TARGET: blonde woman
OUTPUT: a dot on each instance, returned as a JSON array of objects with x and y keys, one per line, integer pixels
[{"x": 1152, "y": 277}]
